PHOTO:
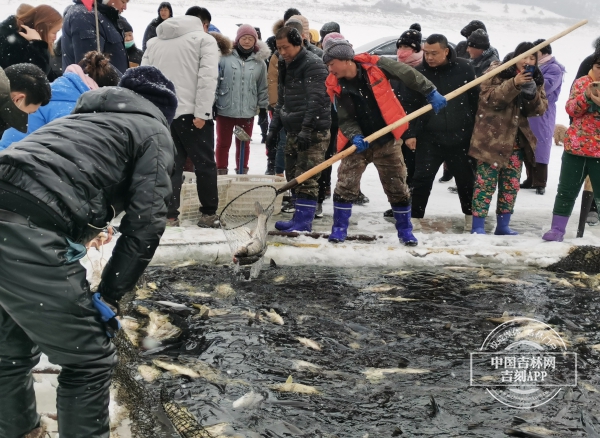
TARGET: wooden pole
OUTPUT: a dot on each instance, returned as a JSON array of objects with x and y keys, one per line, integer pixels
[
  {"x": 97, "y": 26},
  {"x": 350, "y": 150}
]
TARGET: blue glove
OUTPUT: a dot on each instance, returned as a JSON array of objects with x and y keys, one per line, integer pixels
[
  {"x": 360, "y": 143},
  {"x": 107, "y": 315},
  {"x": 437, "y": 101}
]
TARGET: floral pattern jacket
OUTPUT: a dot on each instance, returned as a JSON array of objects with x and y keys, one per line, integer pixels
[{"x": 583, "y": 136}]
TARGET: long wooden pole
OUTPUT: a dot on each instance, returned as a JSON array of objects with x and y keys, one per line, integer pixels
[{"x": 350, "y": 150}]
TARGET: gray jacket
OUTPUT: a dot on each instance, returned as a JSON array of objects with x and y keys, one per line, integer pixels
[
  {"x": 189, "y": 57},
  {"x": 242, "y": 86}
]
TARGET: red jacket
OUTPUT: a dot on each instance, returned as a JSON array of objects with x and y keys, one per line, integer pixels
[
  {"x": 583, "y": 136},
  {"x": 390, "y": 106}
]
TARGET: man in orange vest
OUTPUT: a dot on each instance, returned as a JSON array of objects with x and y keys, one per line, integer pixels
[{"x": 359, "y": 87}]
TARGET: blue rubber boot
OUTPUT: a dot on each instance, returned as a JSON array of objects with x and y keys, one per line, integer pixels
[
  {"x": 341, "y": 220},
  {"x": 478, "y": 225},
  {"x": 303, "y": 217},
  {"x": 502, "y": 228},
  {"x": 403, "y": 226}
]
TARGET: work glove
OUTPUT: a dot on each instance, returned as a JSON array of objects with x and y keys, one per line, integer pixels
[
  {"x": 262, "y": 116},
  {"x": 528, "y": 90},
  {"x": 108, "y": 311},
  {"x": 304, "y": 139},
  {"x": 360, "y": 143},
  {"x": 271, "y": 141},
  {"x": 437, "y": 101}
]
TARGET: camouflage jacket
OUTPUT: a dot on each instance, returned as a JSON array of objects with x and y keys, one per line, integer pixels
[{"x": 502, "y": 121}]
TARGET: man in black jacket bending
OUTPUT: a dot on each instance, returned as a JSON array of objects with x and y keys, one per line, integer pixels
[
  {"x": 304, "y": 111},
  {"x": 58, "y": 189},
  {"x": 446, "y": 136}
]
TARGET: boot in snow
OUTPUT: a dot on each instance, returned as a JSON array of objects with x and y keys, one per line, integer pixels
[
  {"x": 557, "y": 231},
  {"x": 478, "y": 224},
  {"x": 303, "y": 217},
  {"x": 341, "y": 220},
  {"x": 404, "y": 226},
  {"x": 270, "y": 167},
  {"x": 222, "y": 171},
  {"x": 502, "y": 228}
]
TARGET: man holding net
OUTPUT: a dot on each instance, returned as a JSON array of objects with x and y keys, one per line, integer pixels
[
  {"x": 303, "y": 109},
  {"x": 360, "y": 89}
]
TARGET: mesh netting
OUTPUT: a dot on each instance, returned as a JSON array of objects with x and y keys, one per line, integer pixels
[
  {"x": 244, "y": 222},
  {"x": 581, "y": 258},
  {"x": 152, "y": 411}
]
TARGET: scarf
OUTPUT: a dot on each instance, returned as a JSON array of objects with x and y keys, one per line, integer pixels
[
  {"x": 410, "y": 57},
  {"x": 545, "y": 59},
  {"x": 244, "y": 53},
  {"x": 74, "y": 68}
]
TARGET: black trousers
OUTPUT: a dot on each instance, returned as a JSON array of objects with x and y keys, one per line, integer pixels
[
  {"x": 410, "y": 157},
  {"x": 325, "y": 178},
  {"x": 46, "y": 306},
  {"x": 199, "y": 145},
  {"x": 430, "y": 154},
  {"x": 538, "y": 175}
]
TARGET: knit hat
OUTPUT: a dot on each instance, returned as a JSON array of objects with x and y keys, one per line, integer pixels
[
  {"x": 479, "y": 40},
  {"x": 411, "y": 38},
  {"x": 335, "y": 46},
  {"x": 472, "y": 27},
  {"x": 246, "y": 29},
  {"x": 328, "y": 28},
  {"x": 149, "y": 82},
  {"x": 125, "y": 24},
  {"x": 302, "y": 20}
]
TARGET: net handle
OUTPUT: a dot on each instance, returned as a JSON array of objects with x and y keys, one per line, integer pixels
[{"x": 350, "y": 150}]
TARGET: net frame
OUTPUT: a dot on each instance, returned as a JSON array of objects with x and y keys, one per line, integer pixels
[{"x": 238, "y": 220}]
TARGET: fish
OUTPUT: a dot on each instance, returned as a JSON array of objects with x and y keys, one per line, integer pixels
[
  {"x": 143, "y": 294},
  {"x": 274, "y": 317},
  {"x": 256, "y": 246},
  {"x": 382, "y": 288},
  {"x": 398, "y": 274},
  {"x": 375, "y": 374},
  {"x": 354, "y": 345},
  {"x": 177, "y": 369},
  {"x": 279, "y": 279},
  {"x": 504, "y": 280},
  {"x": 224, "y": 290},
  {"x": 248, "y": 400},
  {"x": 504, "y": 318},
  {"x": 290, "y": 386},
  {"x": 309, "y": 343},
  {"x": 208, "y": 372},
  {"x": 184, "y": 421},
  {"x": 397, "y": 299},
  {"x": 220, "y": 430},
  {"x": 148, "y": 373},
  {"x": 204, "y": 311},
  {"x": 131, "y": 326},
  {"x": 587, "y": 386},
  {"x": 160, "y": 328},
  {"x": 304, "y": 365},
  {"x": 152, "y": 286}
]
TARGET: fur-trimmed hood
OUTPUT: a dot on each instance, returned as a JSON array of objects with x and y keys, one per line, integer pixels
[
  {"x": 225, "y": 44},
  {"x": 263, "y": 53},
  {"x": 278, "y": 25}
]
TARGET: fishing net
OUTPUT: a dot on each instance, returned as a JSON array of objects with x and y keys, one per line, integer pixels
[
  {"x": 152, "y": 410},
  {"x": 581, "y": 258},
  {"x": 239, "y": 220}
]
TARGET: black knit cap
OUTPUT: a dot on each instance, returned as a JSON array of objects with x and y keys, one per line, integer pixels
[
  {"x": 412, "y": 38},
  {"x": 125, "y": 24},
  {"x": 479, "y": 40},
  {"x": 149, "y": 82},
  {"x": 328, "y": 28},
  {"x": 472, "y": 27}
]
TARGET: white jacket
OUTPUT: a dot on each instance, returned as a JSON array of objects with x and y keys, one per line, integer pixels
[{"x": 188, "y": 57}]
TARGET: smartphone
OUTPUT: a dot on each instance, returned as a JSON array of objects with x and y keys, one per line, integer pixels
[
  {"x": 530, "y": 69},
  {"x": 596, "y": 85}
]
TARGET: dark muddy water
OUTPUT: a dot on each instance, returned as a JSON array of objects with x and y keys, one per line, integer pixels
[{"x": 349, "y": 314}]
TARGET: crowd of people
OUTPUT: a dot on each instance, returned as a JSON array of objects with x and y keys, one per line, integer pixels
[{"x": 93, "y": 126}]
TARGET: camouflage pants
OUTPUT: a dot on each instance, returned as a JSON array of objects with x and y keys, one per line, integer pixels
[
  {"x": 389, "y": 162},
  {"x": 507, "y": 179},
  {"x": 297, "y": 162}
]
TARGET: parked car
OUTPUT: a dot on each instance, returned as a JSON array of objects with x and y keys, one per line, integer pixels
[{"x": 385, "y": 46}]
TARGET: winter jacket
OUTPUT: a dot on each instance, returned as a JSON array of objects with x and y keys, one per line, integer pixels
[
  {"x": 134, "y": 55},
  {"x": 113, "y": 154},
  {"x": 314, "y": 49},
  {"x": 189, "y": 57},
  {"x": 583, "y": 136},
  {"x": 483, "y": 62},
  {"x": 461, "y": 50},
  {"x": 543, "y": 127},
  {"x": 151, "y": 29},
  {"x": 502, "y": 119},
  {"x": 10, "y": 114},
  {"x": 65, "y": 93},
  {"x": 79, "y": 35},
  {"x": 368, "y": 104},
  {"x": 242, "y": 86},
  {"x": 56, "y": 70},
  {"x": 14, "y": 49},
  {"x": 272, "y": 76},
  {"x": 454, "y": 123},
  {"x": 303, "y": 100}
]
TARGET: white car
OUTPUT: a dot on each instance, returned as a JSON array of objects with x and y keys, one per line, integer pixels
[{"x": 385, "y": 46}]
